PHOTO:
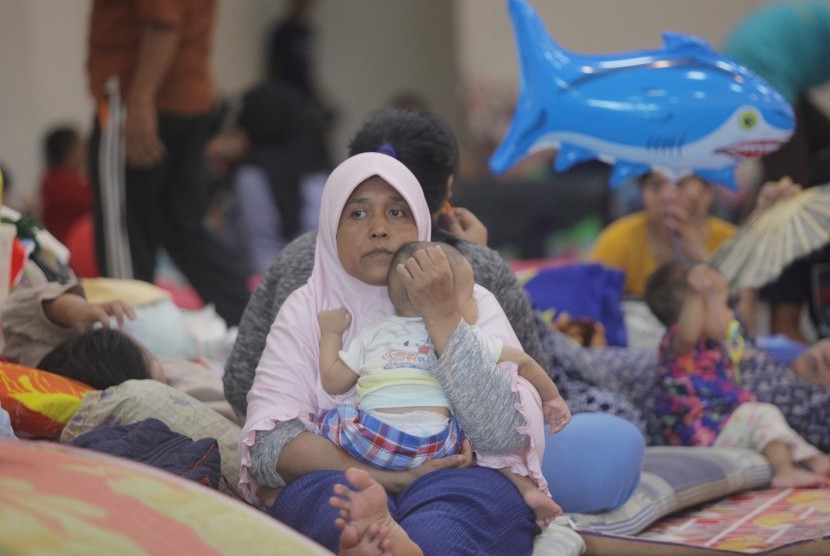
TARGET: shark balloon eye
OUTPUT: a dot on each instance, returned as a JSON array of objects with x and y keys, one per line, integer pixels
[{"x": 749, "y": 119}]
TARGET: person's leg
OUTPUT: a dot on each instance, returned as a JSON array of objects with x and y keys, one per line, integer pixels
[
  {"x": 763, "y": 428},
  {"x": 805, "y": 406},
  {"x": 304, "y": 506},
  {"x": 594, "y": 463},
  {"x": 475, "y": 510},
  {"x": 817, "y": 122},
  {"x": 143, "y": 196},
  {"x": 793, "y": 157},
  {"x": 140, "y": 191},
  {"x": 209, "y": 265},
  {"x": 93, "y": 158},
  {"x": 257, "y": 220},
  {"x": 543, "y": 506}
]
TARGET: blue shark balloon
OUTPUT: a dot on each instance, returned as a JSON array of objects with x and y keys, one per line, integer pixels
[{"x": 681, "y": 109}]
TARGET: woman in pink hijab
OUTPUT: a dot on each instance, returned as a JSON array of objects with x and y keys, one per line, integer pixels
[{"x": 371, "y": 205}]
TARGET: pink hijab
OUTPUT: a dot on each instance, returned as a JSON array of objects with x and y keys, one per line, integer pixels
[{"x": 287, "y": 381}]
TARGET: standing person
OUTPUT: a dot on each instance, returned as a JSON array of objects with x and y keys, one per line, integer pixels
[
  {"x": 403, "y": 417},
  {"x": 699, "y": 401},
  {"x": 65, "y": 193},
  {"x": 276, "y": 185},
  {"x": 290, "y": 55},
  {"x": 160, "y": 53},
  {"x": 788, "y": 44}
]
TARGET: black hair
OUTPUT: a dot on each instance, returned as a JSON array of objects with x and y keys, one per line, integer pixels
[
  {"x": 666, "y": 288},
  {"x": 58, "y": 143},
  {"x": 100, "y": 358},
  {"x": 420, "y": 141}
]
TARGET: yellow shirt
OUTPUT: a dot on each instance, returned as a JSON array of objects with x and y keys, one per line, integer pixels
[{"x": 624, "y": 245}]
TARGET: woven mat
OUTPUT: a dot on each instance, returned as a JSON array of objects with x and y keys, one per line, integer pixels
[{"x": 770, "y": 521}]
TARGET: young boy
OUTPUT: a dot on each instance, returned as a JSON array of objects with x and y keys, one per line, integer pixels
[{"x": 400, "y": 401}]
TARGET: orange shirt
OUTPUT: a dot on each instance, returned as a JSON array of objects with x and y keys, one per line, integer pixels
[
  {"x": 114, "y": 39},
  {"x": 624, "y": 245}
]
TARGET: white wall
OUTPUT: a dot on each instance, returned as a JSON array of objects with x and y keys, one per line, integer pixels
[
  {"x": 367, "y": 50},
  {"x": 486, "y": 43},
  {"x": 41, "y": 77}
]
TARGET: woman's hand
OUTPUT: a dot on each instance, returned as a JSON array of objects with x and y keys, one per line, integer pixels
[
  {"x": 428, "y": 279},
  {"x": 402, "y": 479},
  {"x": 142, "y": 146},
  {"x": 813, "y": 365},
  {"x": 773, "y": 191},
  {"x": 73, "y": 311},
  {"x": 463, "y": 224},
  {"x": 224, "y": 151},
  {"x": 687, "y": 232}
]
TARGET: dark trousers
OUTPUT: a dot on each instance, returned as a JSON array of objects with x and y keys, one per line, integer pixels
[
  {"x": 797, "y": 157},
  {"x": 165, "y": 207},
  {"x": 452, "y": 511}
]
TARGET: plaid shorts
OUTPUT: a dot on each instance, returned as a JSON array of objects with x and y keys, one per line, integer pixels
[{"x": 371, "y": 440}]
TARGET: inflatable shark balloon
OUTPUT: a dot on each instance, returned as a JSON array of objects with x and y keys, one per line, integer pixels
[{"x": 679, "y": 110}]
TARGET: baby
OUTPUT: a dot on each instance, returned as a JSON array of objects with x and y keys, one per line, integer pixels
[
  {"x": 700, "y": 402},
  {"x": 400, "y": 401}
]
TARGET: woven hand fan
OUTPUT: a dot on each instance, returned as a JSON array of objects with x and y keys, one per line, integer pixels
[{"x": 790, "y": 229}]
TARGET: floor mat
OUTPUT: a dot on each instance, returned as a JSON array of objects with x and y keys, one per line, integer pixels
[{"x": 770, "y": 521}]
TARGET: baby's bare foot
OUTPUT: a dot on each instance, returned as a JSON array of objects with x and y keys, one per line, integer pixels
[{"x": 543, "y": 506}]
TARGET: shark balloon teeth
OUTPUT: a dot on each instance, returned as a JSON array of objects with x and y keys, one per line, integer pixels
[{"x": 681, "y": 109}]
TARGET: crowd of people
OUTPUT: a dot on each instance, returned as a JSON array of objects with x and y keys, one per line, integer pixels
[{"x": 391, "y": 376}]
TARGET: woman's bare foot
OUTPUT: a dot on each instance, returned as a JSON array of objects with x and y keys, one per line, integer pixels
[
  {"x": 368, "y": 527},
  {"x": 373, "y": 542},
  {"x": 799, "y": 478},
  {"x": 543, "y": 506}
]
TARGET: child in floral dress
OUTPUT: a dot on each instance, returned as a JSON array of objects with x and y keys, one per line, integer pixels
[{"x": 700, "y": 401}]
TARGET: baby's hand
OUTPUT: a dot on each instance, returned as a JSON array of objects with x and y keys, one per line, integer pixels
[
  {"x": 83, "y": 316},
  {"x": 119, "y": 309},
  {"x": 700, "y": 278},
  {"x": 335, "y": 321},
  {"x": 557, "y": 414}
]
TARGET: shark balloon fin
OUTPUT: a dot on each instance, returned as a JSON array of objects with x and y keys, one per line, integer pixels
[
  {"x": 571, "y": 155},
  {"x": 678, "y": 41},
  {"x": 624, "y": 171},
  {"x": 723, "y": 176},
  {"x": 543, "y": 66}
]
